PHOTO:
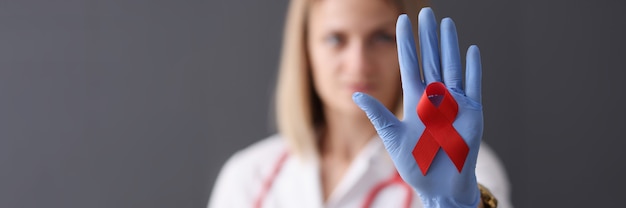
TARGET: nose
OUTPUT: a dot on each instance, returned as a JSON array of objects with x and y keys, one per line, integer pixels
[{"x": 358, "y": 60}]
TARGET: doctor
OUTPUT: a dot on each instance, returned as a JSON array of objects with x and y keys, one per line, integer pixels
[{"x": 347, "y": 67}]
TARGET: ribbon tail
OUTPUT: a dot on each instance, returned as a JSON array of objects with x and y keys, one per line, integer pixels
[
  {"x": 425, "y": 151},
  {"x": 456, "y": 148}
]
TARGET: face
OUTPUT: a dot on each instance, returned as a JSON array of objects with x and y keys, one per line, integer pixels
[{"x": 352, "y": 48}]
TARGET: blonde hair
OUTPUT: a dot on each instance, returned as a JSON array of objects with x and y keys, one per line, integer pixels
[{"x": 298, "y": 108}]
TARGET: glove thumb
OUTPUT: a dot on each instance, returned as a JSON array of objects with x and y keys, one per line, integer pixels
[{"x": 385, "y": 122}]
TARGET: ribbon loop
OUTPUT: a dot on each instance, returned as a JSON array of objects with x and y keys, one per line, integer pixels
[{"x": 437, "y": 109}]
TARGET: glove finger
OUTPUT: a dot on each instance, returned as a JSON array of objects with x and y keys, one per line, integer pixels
[
  {"x": 429, "y": 45},
  {"x": 385, "y": 123},
  {"x": 450, "y": 57},
  {"x": 412, "y": 85},
  {"x": 473, "y": 74}
]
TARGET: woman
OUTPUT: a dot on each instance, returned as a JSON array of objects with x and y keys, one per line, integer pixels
[{"x": 340, "y": 59}]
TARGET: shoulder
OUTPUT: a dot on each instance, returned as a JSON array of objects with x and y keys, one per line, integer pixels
[
  {"x": 259, "y": 154},
  {"x": 489, "y": 167},
  {"x": 487, "y": 157},
  {"x": 256, "y": 157},
  {"x": 242, "y": 174},
  {"x": 491, "y": 173}
]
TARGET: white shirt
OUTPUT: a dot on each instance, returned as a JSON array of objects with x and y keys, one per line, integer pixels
[{"x": 297, "y": 183}]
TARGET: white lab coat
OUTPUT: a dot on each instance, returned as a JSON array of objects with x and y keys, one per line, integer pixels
[{"x": 297, "y": 183}]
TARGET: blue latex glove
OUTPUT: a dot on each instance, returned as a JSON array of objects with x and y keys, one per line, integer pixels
[{"x": 443, "y": 185}]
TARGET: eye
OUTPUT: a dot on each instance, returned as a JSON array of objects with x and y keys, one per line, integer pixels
[
  {"x": 385, "y": 37},
  {"x": 334, "y": 39}
]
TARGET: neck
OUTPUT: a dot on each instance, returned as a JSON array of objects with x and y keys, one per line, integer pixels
[{"x": 345, "y": 135}]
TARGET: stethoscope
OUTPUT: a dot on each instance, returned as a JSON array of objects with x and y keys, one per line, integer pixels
[{"x": 369, "y": 199}]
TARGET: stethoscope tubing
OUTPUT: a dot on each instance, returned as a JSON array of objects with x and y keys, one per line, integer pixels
[{"x": 369, "y": 200}]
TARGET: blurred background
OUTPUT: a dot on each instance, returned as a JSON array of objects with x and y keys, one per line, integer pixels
[{"x": 138, "y": 103}]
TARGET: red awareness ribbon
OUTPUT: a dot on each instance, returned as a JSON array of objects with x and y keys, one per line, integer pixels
[{"x": 437, "y": 109}]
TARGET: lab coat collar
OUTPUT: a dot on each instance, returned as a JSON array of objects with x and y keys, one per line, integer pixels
[{"x": 371, "y": 163}]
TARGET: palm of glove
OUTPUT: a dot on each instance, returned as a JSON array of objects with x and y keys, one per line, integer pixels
[
  {"x": 442, "y": 178},
  {"x": 443, "y": 185}
]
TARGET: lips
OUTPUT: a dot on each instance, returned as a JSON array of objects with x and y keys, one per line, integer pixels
[{"x": 360, "y": 87}]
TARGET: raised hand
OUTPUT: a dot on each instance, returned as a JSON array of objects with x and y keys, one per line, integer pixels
[{"x": 443, "y": 185}]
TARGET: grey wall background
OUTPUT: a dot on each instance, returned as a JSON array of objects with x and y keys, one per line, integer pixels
[{"x": 138, "y": 103}]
